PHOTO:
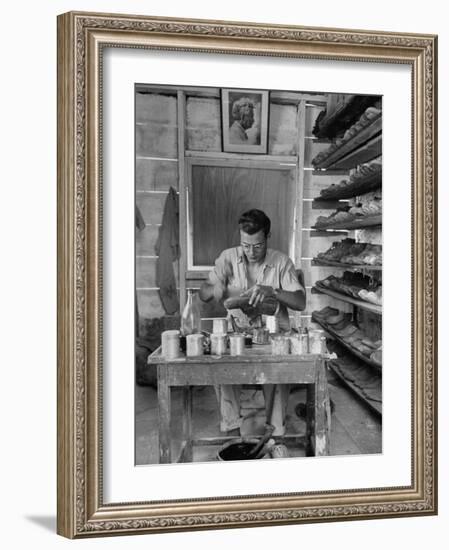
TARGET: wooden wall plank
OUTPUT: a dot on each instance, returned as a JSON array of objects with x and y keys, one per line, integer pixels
[
  {"x": 156, "y": 108},
  {"x": 311, "y": 114},
  {"x": 151, "y": 206},
  {"x": 146, "y": 273},
  {"x": 156, "y": 140},
  {"x": 156, "y": 175},
  {"x": 146, "y": 241},
  {"x": 283, "y": 131},
  {"x": 299, "y": 187},
  {"x": 203, "y": 124},
  {"x": 181, "y": 266}
]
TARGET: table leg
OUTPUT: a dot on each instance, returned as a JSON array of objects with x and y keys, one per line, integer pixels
[
  {"x": 164, "y": 404},
  {"x": 310, "y": 419},
  {"x": 187, "y": 454},
  {"x": 322, "y": 410}
]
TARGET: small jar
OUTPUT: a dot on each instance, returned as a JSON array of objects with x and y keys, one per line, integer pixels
[
  {"x": 170, "y": 344},
  {"x": 280, "y": 345},
  {"x": 272, "y": 324},
  {"x": 218, "y": 344},
  {"x": 317, "y": 342},
  {"x": 195, "y": 345},
  {"x": 237, "y": 344},
  {"x": 220, "y": 326},
  {"x": 260, "y": 336},
  {"x": 296, "y": 345},
  {"x": 304, "y": 336}
]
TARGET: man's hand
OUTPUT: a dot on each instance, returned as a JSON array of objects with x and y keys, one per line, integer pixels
[
  {"x": 219, "y": 291},
  {"x": 258, "y": 293}
]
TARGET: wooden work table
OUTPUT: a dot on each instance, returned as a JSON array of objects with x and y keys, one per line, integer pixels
[{"x": 257, "y": 366}]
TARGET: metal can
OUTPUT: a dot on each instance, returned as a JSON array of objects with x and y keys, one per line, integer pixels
[
  {"x": 317, "y": 342},
  {"x": 260, "y": 336},
  {"x": 237, "y": 344},
  {"x": 218, "y": 344},
  {"x": 296, "y": 345},
  {"x": 280, "y": 345},
  {"x": 220, "y": 326},
  {"x": 170, "y": 344},
  {"x": 304, "y": 337},
  {"x": 272, "y": 324},
  {"x": 195, "y": 345}
]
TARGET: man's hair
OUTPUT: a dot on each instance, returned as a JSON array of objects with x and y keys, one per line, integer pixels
[
  {"x": 253, "y": 221},
  {"x": 238, "y": 104}
]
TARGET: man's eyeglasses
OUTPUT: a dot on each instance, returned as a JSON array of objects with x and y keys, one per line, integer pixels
[{"x": 257, "y": 247}]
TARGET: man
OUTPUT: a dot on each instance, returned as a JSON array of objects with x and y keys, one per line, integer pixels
[
  {"x": 258, "y": 272},
  {"x": 243, "y": 115}
]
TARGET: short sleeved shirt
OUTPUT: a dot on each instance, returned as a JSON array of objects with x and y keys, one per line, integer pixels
[{"x": 276, "y": 271}]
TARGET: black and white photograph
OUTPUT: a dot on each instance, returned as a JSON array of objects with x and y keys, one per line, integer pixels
[
  {"x": 245, "y": 120},
  {"x": 258, "y": 274}
]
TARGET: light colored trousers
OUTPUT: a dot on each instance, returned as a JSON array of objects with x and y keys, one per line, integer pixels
[{"x": 229, "y": 401}]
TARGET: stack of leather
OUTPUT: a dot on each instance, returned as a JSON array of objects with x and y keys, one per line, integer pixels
[
  {"x": 364, "y": 121},
  {"x": 348, "y": 251},
  {"x": 354, "y": 284},
  {"x": 367, "y": 205},
  {"x": 349, "y": 187},
  {"x": 365, "y": 380},
  {"x": 333, "y": 123},
  {"x": 341, "y": 324},
  {"x": 341, "y": 215},
  {"x": 360, "y": 210}
]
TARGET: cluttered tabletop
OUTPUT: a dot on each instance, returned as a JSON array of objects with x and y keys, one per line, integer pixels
[{"x": 259, "y": 345}]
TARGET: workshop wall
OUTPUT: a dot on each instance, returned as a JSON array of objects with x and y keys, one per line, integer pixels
[{"x": 157, "y": 170}]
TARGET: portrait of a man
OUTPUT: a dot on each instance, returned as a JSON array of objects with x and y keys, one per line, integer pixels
[{"x": 245, "y": 121}]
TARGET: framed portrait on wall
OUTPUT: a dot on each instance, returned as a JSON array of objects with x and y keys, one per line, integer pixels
[
  {"x": 166, "y": 140},
  {"x": 245, "y": 120}
]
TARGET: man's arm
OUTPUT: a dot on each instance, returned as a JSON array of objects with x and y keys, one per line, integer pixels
[
  {"x": 208, "y": 291},
  {"x": 215, "y": 286},
  {"x": 295, "y": 299}
]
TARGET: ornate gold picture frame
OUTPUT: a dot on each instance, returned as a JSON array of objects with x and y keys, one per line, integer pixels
[{"x": 82, "y": 508}]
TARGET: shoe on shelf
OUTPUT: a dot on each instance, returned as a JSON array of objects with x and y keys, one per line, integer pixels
[
  {"x": 347, "y": 331},
  {"x": 324, "y": 313},
  {"x": 343, "y": 323},
  {"x": 335, "y": 319}
]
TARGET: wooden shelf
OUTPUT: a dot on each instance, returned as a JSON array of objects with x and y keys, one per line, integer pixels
[
  {"x": 357, "y": 223},
  {"x": 343, "y": 115},
  {"x": 355, "y": 188},
  {"x": 364, "y": 146},
  {"x": 330, "y": 263},
  {"x": 345, "y": 298},
  {"x": 353, "y": 350},
  {"x": 330, "y": 172},
  {"x": 373, "y": 405},
  {"x": 289, "y": 160}
]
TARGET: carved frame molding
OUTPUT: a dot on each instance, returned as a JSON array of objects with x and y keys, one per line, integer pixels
[{"x": 81, "y": 38}]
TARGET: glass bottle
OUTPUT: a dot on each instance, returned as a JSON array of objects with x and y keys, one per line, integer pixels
[{"x": 191, "y": 316}]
